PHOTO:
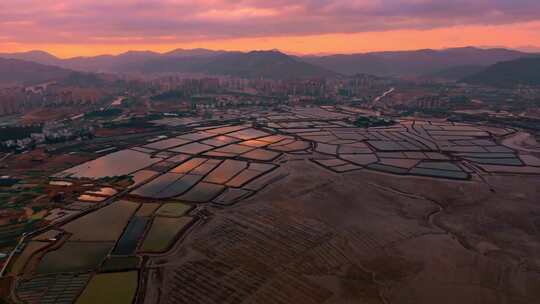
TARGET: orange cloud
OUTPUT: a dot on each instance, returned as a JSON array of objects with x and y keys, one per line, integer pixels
[
  {"x": 512, "y": 36},
  {"x": 225, "y": 15}
]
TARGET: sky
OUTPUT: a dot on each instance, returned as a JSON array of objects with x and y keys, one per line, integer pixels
[{"x": 90, "y": 27}]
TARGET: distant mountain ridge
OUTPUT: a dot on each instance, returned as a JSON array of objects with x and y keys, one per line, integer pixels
[
  {"x": 256, "y": 64},
  {"x": 413, "y": 63},
  {"x": 456, "y": 62},
  {"x": 455, "y": 73},
  {"x": 265, "y": 64},
  {"x": 34, "y": 56},
  {"x": 127, "y": 61},
  {"x": 15, "y": 71},
  {"x": 523, "y": 71}
]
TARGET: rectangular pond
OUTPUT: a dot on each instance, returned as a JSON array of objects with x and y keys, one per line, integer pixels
[
  {"x": 202, "y": 193},
  {"x": 193, "y": 148},
  {"x": 119, "y": 163},
  {"x": 166, "y": 144},
  {"x": 130, "y": 238},
  {"x": 74, "y": 257},
  {"x": 163, "y": 232},
  {"x": 227, "y": 170},
  {"x": 105, "y": 224}
]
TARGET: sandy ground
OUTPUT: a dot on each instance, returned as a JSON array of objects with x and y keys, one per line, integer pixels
[{"x": 363, "y": 237}]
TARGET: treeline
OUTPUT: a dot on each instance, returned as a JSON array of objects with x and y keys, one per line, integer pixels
[
  {"x": 173, "y": 94},
  {"x": 15, "y": 133},
  {"x": 103, "y": 113}
]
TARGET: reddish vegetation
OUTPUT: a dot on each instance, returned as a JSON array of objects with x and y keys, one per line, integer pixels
[
  {"x": 43, "y": 115},
  {"x": 40, "y": 160}
]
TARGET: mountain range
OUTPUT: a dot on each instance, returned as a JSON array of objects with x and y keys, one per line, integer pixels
[
  {"x": 455, "y": 73},
  {"x": 14, "y": 71},
  {"x": 523, "y": 71},
  {"x": 451, "y": 64},
  {"x": 256, "y": 64},
  {"x": 414, "y": 63}
]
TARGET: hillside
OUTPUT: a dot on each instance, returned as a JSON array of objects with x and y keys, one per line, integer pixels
[
  {"x": 34, "y": 56},
  {"x": 131, "y": 61},
  {"x": 108, "y": 63},
  {"x": 455, "y": 73},
  {"x": 524, "y": 71},
  {"x": 267, "y": 64},
  {"x": 257, "y": 64},
  {"x": 413, "y": 63},
  {"x": 14, "y": 71},
  {"x": 451, "y": 64},
  {"x": 352, "y": 64}
]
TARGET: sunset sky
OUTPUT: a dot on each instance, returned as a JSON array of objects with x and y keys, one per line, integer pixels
[{"x": 90, "y": 27}]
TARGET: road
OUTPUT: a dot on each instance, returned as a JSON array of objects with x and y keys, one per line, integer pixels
[
  {"x": 12, "y": 254},
  {"x": 383, "y": 95}
]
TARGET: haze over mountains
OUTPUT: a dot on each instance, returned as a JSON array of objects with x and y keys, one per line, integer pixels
[
  {"x": 27, "y": 72},
  {"x": 414, "y": 63},
  {"x": 267, "y": 64},
  {"x": 453, "y": 64},
  {"x": 524, "y": 71},
  {"x": 456, "y": 72}
]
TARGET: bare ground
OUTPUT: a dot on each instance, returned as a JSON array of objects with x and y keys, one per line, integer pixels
[{"x": 363, "y": 237}]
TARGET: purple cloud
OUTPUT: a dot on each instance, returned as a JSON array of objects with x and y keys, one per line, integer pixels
[{"x": 90, "y": 21}]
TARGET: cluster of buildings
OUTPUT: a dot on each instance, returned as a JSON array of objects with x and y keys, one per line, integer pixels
[
  {"x": 188, "y": 86},
  {"x": 21, "y": 99},
  {"x": 297, "y": 89},
  {"x": 21, "y": 138}
]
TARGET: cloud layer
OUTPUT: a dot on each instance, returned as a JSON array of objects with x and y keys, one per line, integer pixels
[{"x": 177, "y": 21}]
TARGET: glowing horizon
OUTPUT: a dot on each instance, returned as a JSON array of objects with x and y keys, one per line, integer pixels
[{"x": 85, "y": 28}]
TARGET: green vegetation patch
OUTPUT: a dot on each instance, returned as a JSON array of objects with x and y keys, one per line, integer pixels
[
  {"x": 74, "y": 257},
  {"x": 173, "y": 210},
  {"x": 163, "y": 232},
  {"x": 14, "y": 133},
  {"x": 113, "y": 288}
]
